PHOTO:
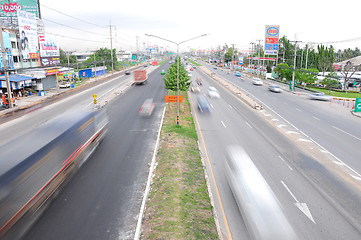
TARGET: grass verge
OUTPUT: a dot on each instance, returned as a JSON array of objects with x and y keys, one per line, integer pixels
[
  {"x": 178, "y": 206},
  {"x": 338, "y": 94}
]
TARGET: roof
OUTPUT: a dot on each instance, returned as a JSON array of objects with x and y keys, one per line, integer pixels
[
  {"x": 355, "y": 61},
  {"x": 16, "y": 78}
]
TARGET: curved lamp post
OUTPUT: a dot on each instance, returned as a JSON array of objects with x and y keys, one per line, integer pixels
[{"x": 177, "y": 43}]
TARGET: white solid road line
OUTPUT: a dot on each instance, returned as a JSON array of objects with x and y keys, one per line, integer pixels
[
  {"x": 249, "y": 125},
  {"x": 347, "y": 133},
  {"x": 302, "y": 206},
  {"x": 224, "y": 125}
]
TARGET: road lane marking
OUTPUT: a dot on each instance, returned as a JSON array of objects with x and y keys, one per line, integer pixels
[
  {"x": 150, "y": 176},
  {"x": 274, "y": 120},
  {"x": 281, "y": 125},
  {"x": 286, "y": 163},
  {"x": 304, "y": 140},
  {"x": 292, "y": 132},
  {"x": 303, "y": 133},
  {"x": 347, "y": 133},
  {"x": 302, "y": 206},
  {"x": 355, "y": 177},
  {"x": 228, "y": 231},
  {"x": 249, "y": 125},
  {"x": 224, "y": 125},
  {"x": 298, "y": 109},
  {"x": 316, "y": 118},
  {"x": 230, "y": 106}
]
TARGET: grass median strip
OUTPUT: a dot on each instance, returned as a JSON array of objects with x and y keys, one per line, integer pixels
[{"x": 178, "y": 206}]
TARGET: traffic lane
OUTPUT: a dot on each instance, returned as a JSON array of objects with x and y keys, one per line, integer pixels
[
  {"x": 342, "y": 144},
  {"x": 105, "y": 196},
  {"x": 265, "y": 156},
  {"x": 297, "y": 111},
  {"x": 82, "y": 100},
  {"x": 296, "y": 183}
]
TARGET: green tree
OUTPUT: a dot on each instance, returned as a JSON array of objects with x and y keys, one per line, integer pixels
[
  {"x": 307, "y": 76},
  {"x": 330, "y": 81},
  {"x": 102, "y": 57},
  {"x": 230, "y": 55},
  {"x": 284, "y": 71},
  {"x": 66, "y": 59},
  {"x": 325, "y": 58},
  {"x": 170, "y": 78}
]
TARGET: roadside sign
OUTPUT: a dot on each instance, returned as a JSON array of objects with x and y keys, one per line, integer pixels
[
  {"x": 173, "y": 98},
  {"x": 357, "y": 105}
]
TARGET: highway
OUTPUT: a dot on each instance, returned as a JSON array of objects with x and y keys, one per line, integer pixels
[
  {"x": 102, "y": 200},
  {"x": 320, "y": 198}
]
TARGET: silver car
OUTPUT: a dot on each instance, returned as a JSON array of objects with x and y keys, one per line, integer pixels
[
  {"x": 320, "y": 96},
  {"x": 275, "y": 88},
  {"x": 262, "y": 213},
  {"x": 257, "y": 81}
]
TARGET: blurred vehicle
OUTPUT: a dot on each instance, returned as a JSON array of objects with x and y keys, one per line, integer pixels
[
  {"x": 147, "y": 108},
  {"x": 49, "y": 155},
  {"x": 238, "y": 74},
  {"x": 320, "y": 96},
  {"x": 195, "y": 89},
  {"x": 213, "y": 92},
  {"x": 189, "y": 75},
  {"x": 257, "y": 81},
  {"x": 199, "y": 81},
  {"x": 203, "y": 104},
  {"x": 127, "y": 72},
  {"x": 140, "y": 77},
  {"x": 260, "y": 209},
  {"x": 64, "y": 85},
  {"x": 162, "y": 72},
  {"x": 194, "y": 66},
  {"x": 275, "y": 88},
  {"x": 215, "y": 67}
]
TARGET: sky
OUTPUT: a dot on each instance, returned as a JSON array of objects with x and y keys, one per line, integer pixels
[{"x": 85, "y": 25}]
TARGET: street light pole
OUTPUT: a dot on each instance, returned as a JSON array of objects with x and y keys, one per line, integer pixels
[{"x": 178, "y": 100}]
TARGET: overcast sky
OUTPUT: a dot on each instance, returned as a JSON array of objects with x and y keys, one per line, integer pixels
[{"x": 225, "y": 22}]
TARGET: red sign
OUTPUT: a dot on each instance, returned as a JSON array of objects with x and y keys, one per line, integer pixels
[{"x": 272, "y": 40}]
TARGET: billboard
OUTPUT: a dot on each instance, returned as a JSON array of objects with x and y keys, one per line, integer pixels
[
  {"x": 28, "y": 35},
  {"x": 9, "y": 8},
  {"x": 271, "y": 39},
  {"x": 49, "y": 50},
  {"x": 8, "y": 52}
]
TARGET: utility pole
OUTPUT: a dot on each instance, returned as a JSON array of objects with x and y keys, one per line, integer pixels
[
  {"x": 233, "y": 57},
  {"x": 259, "y": 52},
  {"x": 294, "y": 64},
  {"x": 306, "y": 56},
  {"x": 111, "y": 45},
  {"x": 252, "y": 63},
  {"x": 6, "y": 70}
]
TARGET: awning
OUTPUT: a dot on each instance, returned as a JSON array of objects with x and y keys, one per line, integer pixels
[{"x": 15, "y": 78}]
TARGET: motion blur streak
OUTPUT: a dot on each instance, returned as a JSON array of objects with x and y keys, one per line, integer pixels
[
  {"x": 259, "y": 206},
  {"x": 33, "y": 168}
]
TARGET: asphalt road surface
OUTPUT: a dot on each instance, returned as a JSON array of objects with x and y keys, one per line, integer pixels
[
  {"x": 102, "y": 200},
  {"x": 318, "y": 202}
]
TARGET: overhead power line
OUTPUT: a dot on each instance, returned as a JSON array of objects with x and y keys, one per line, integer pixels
[
  {"x": 341, "y": 41},
  {"x": 35, "y": 1},
  {"x": 81, "y": 39},
  {"x": 74, "y": 27}
]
